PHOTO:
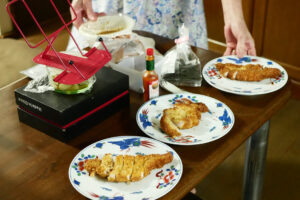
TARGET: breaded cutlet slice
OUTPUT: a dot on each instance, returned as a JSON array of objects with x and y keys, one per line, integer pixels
[
  {"x": 202, "y": 107},
  {"x": 168, "y": 126},
  {"x": 155, "y": 161},
  {"x": 161, "y": 159},
  {"x": 199, "y": 107},
  {"x": 118, "y": 165},
  {"x": 106, "y": 166},
  {"x": 126, "y": 171},
  {"x": 179, "y": 117},
  {"x": 249, "y": 72},
  {"x": 91, "y": 165},
  {"x": 149, "y": 164},
  {"x": 184, "y": 115},
  {"x": 138, "y": 168}
]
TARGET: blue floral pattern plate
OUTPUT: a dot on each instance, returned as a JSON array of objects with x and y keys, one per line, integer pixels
[
  {"x": 153, "y": 186},
  {"x": 213, "y": 124},
  {"x": 214, "y": 78}
]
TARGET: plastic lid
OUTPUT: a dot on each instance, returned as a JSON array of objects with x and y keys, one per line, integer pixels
[{"x": 149, "y": 52}]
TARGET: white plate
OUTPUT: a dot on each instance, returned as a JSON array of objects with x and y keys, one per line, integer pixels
[
  {"x": 158, "y": 183},
  {"x": 213, "y": 124},
  {"x": 214, "y": 78},
  {"x": 90, "y": 35}
]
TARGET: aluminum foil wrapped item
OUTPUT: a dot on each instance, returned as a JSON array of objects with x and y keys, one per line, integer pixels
[
  {"x": 39, "y": 85},
  {"x": 40, "y": 82}
]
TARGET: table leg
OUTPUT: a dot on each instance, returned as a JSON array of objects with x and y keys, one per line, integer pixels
[{"x": 256, "y": 151}]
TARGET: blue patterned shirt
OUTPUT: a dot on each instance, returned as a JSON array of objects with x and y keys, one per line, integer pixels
[{"x": 161, "y": 17}]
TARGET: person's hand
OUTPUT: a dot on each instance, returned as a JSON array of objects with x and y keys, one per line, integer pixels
[
  {"x": 83, "y": 9},
  {"x": 238, "y": 40}
]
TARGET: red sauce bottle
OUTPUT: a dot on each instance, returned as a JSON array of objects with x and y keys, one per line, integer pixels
[{"x": 150, "y": 77}]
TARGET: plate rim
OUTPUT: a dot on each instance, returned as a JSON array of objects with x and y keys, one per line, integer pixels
[
  {"x": 238, "y": 93},
  {"x": 128, "y": 136},
  {"x": 129, "y": 21},
  {"x": 185, "y": 144}
]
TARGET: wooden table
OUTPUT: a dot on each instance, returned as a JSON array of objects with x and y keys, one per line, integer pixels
[{"x": 35, "y": 166}]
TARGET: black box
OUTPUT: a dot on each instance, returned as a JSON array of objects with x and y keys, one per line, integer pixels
[{"x": 65, "y": 116}]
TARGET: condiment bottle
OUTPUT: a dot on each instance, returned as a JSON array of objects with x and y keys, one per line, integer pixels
[{"x": 150, "y": 77}]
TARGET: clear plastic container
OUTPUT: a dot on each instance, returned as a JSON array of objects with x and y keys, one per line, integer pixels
[
  {"x": 181, "y": 66},
  {"x": 83, "y": 87}
]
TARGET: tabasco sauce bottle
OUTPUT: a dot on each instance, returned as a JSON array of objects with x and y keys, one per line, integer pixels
[{"x": 150, "y": 77}]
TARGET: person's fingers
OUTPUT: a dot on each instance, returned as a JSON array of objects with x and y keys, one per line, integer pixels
[
  {"x": 233, "y": 52},
  {"x": 230, "y": 41},
  {"x": 246, "y": 46},
  {"x": 230, "y": 46},
  {"x": 229, "y": 37},
  {"x": 78, "y": 9},
  {"x": 91, "y": 15},
  {"x": 84, "y": 15},
  {"x": 101, "y": 14},
  {"x": 241, "y": 51},
  {"x": 243, "y": 47},
  {"x": 79, "y": 19},
  {"x": 252, "y": 50},
  {"x": 228, "y": 51}
]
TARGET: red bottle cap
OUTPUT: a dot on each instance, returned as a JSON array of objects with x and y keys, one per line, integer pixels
[{"x": 149, "y": 52}]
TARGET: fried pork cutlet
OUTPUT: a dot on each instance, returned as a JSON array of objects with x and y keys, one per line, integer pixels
[
  {"x": 247, "y": 72},
  {"x": 128, "y": 168},
  {"x": 106, "y": 166},
  {"x": 91, "y": 166},
  {"x": 155, "y": 161},
  {"x": 138, "y": 168},
  {"x": 118, "y": 165},
  {"x": 184, "y": 115}
]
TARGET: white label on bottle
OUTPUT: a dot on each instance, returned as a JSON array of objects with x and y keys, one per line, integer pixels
[{"x": 153, "y": 89}]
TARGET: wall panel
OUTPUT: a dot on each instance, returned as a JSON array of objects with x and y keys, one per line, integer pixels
[
  {"x": 282, "y": 32},
  {"x": 215, "y": 21}
]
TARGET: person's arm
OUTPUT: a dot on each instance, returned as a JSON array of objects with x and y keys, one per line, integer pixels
[
  {"x": 238, "y": 39},
  {"x": 83, "y": 9}
]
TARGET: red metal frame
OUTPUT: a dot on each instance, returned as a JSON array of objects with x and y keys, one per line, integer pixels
[{"x": 75, "y": 69}]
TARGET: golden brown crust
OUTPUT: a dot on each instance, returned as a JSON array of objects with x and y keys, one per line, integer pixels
[
  {"x": 249, "y": 72},
  {"x": 168, "y": 126},
  {"x": 91, "y": 166},
  {"x": 184, "y": 115},
  {"x": 106, "y": 166},
  {"x": 127, "y": 168},
  {"x": 155, "y": 161},
  {"x": 138, "y": 168},
  {"x": 118, "y": 165}
]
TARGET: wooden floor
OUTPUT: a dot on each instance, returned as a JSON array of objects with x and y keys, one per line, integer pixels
[
  {"x": 16, "y": 56},
  {"x": 282, "y": 174}
]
